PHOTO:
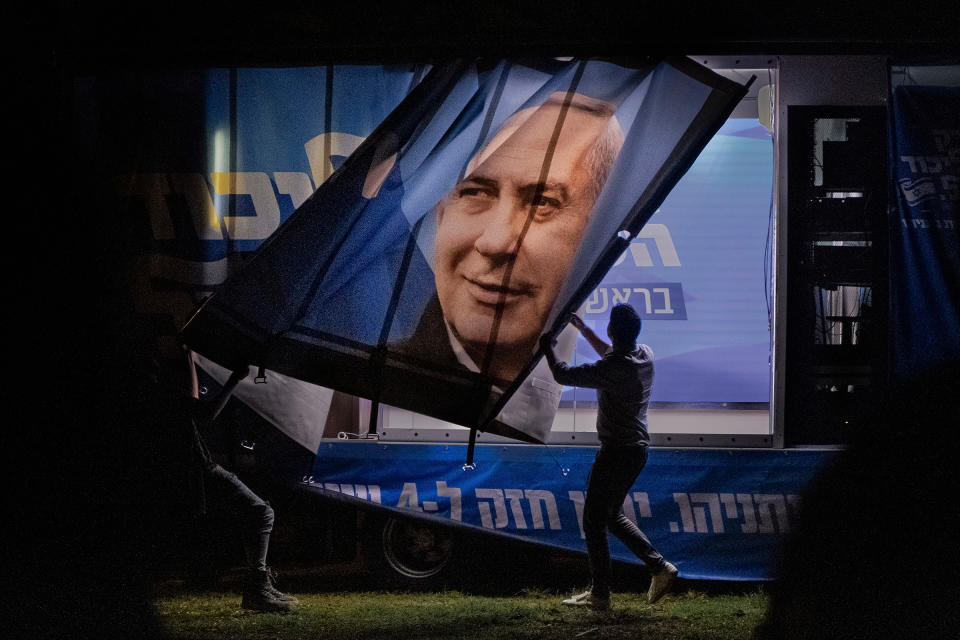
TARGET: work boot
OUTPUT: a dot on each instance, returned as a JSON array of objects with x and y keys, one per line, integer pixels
[
  {"x": 258, "y": 594},
  {"x": 660, "y": 582},
  {"x": 276, "y": 593}
]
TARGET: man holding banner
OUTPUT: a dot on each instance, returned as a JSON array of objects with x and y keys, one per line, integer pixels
[{"x": 623, "y": 378}]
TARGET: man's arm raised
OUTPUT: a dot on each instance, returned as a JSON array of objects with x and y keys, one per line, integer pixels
[{"x": 599, "y": 345}]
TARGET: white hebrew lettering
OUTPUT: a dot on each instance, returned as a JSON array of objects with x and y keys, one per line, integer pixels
[
  {"x": 646, "y": 298},
  {"x": 294, "y": 184},
  {"x": 663, "y": 241},
  {"x": 729, "y": 506},
  {"x": 514, "y": 497},
  {"x": 772, "y": 509},
  {"x": 537, "y": 496},
  {"x": 666, "y": 300},
  {"x": 594, "y": 305},
  {"x": 499, "y": 507},
  {"x": 454, "y": 495},
  {"x": 322, "y": 148},
  {"x": 749, "y": 513},
  {"x": 620, "y": 296},
  {"x": 686, "y": 514},
  {"x": 408, "y": 498},
  {"x": 641, "y": 254},
  {"x": 758, "y": 513},
  {"x": 640, "y": 251},
  {"x": 700, "y": 514},
  {"x": 643, "y": 503},
  {"x": 576, "y": 497}
]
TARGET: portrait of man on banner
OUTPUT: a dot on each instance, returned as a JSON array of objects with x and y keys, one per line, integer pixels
[{"x": 505, "y": 235}]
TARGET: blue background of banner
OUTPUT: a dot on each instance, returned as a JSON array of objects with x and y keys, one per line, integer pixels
[{"x": 716, "y": 514}]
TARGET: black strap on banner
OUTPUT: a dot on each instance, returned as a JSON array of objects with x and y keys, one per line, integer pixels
[
  {"x": 501, "y": 304},
  {"x": 544, "y": 173},
  {"x": 374, "y": 413},
  {"x": 469, "y": 465}
]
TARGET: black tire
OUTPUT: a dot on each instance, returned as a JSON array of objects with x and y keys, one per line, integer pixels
[{"x": 412, "y": 554}]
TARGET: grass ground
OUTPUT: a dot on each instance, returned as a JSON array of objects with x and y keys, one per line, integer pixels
[{"x": 530, "y": 613}]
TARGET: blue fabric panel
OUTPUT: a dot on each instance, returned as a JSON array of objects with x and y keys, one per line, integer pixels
[
  {"x": 924, "y": 247},
  {"x": 716, "y": 514}
]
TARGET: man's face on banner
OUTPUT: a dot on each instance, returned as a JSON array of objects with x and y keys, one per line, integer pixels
[{"x": 478, "y": 262}]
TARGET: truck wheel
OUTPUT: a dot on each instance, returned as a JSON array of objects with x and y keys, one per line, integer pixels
[{"x": 414, "y": 553}]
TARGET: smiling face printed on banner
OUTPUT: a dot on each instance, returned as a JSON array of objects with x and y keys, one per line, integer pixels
[{"x": 482, "y": 255}]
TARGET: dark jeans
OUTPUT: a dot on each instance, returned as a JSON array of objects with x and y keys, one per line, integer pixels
[
  {"x": 226, "y": 492},
  {"x": 613, "y": 473}
]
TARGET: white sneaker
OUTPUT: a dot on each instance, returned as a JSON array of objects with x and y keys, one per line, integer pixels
[
  {"x": 660, "y": 582},
  {"x": 587, "y": 599},
  {"x": 578, "y": 597}
]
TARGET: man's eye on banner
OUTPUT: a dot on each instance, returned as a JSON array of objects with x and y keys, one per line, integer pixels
[{"x": 481, "y": 212}]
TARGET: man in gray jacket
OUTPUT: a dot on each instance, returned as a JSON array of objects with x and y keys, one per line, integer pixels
[{"x": 623, "y": 378}]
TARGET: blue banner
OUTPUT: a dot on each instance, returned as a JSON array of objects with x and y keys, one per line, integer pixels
[
  {"x": 924, "y": 247},
  {"x": 480, "y": 212},
  {"x": 716, "y": 514}
]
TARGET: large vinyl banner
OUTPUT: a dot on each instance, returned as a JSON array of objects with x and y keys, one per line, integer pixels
[
  {"x": 716, "y": 514},
  {"x": 924, "y": 246},
  {"x": 486, "y": 207}
]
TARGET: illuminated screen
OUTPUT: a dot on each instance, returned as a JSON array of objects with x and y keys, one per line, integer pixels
[{"x": 696, "y": 275}]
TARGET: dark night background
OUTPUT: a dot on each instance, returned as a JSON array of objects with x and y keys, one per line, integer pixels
[{"x": 76, "y": 568}]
